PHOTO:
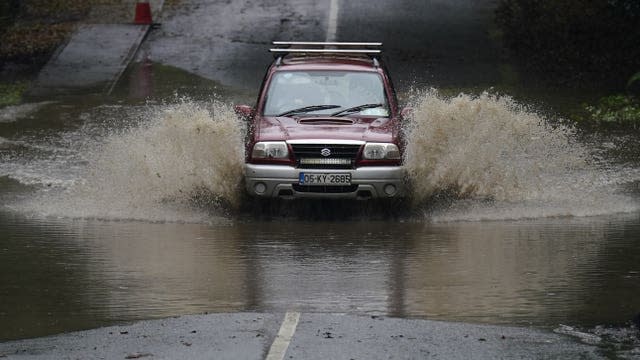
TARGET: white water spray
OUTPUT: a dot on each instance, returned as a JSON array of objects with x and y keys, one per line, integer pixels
[
  {"x": 487, "y": 156},
  {"x": 500, "y": 161},
  {"x": 157, "y": 171}
]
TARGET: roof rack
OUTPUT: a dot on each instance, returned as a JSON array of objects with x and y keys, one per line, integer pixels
[
  {"x": 320, "y": 43},
  {"x": 330, "y": 48}
]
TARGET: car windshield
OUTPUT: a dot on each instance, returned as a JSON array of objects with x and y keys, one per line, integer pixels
[{"x": 292, "y": 90}]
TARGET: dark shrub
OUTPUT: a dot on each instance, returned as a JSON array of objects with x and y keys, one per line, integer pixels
[{"x": 574, "y": 40}]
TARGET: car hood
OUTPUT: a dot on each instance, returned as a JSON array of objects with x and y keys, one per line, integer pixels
[{"x": 335, "y": 128}]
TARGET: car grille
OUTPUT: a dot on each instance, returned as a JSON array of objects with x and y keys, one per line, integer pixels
[
  {"x": 325, "y": 189},
  {"x": 310, "y": 156}
]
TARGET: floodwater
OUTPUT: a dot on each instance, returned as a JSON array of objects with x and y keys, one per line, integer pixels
[
  {"x": 125, "y": 210},
  {"x": 125, "y": 207}
]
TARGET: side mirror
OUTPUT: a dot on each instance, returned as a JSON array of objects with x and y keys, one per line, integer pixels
[
  {"x": 406, "y": 112},
  {"x": 244, "y": 111}
]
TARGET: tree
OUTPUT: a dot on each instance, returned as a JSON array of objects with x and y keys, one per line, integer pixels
[{"x": 574, "y": 40}]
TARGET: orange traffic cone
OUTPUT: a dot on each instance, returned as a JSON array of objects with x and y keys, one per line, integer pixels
[{"x": 143, "y": 13}]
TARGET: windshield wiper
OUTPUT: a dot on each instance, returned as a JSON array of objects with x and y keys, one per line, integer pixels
[
  {"x": 356, "y": 109},
  {"x": 308, "y": 109}
]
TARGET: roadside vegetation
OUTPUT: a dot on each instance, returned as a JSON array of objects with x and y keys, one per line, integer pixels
[
  {"x": 30, "y": 31},
  {"x": 11, "y": 93},
  {"x": 576, "y": 42},
  {"x": 614, "y": 110}
]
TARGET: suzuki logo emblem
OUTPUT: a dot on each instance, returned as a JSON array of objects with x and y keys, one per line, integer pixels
[{"x": 325, "y": 152}]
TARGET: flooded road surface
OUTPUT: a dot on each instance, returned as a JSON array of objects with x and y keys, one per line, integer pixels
[
  {"x": 118, "y": 212},
  {"x": 62, "y": 274},
  {"x": 130, "y": 206}
]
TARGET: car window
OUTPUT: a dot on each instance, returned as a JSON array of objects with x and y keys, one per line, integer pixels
[{"x": 290, "y": 90}]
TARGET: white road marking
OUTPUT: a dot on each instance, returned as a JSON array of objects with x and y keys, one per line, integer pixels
[
  {"x": 281, "y": 343},
  {"x": 332, "y": 26}
]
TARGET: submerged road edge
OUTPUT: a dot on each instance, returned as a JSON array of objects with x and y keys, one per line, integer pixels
[{"x": 301, "y": 336}]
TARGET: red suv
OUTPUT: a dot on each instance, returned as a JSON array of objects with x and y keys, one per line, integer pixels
[{"x": 326, "y": 125}]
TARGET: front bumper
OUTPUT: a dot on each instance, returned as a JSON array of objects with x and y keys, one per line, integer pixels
[{"x": 368, "y": 182}]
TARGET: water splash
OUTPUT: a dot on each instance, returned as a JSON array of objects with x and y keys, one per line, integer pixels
[
  {"x": 5, "y": 143},
  {"x": 468, "y": 158},
  {"x": 623, "y": 341},
  {"x": 494, "y": 159},
  {"x": 185, "y": 155},
  {"x": 13, "y": 113}
]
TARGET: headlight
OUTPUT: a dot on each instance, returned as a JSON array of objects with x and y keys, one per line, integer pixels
[
  {"x": 270, "y": 150},
  {"x": 380, "y": 151}
]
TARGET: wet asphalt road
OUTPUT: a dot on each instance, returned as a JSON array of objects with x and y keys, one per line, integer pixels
[
  {"x": 435, "y": 42},
  {"x": 316, "y": 336}
]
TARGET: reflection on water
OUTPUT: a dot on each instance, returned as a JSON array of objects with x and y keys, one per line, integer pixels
[{"x": 61, "y": 275}]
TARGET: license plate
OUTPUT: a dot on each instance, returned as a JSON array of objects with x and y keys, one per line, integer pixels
[{"x": 324, "y": 179}]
